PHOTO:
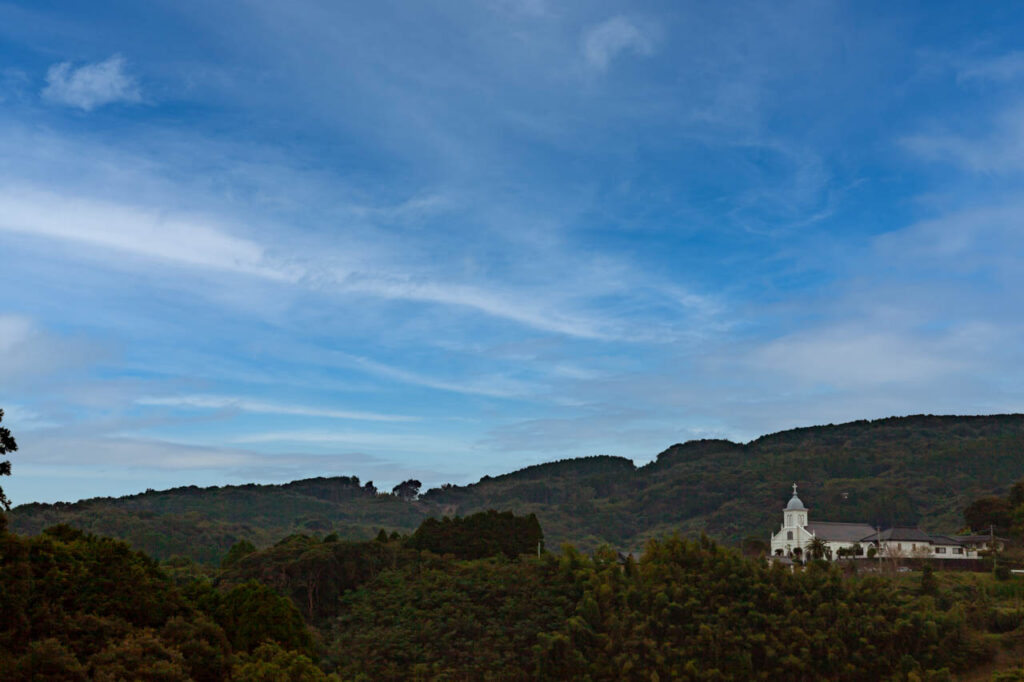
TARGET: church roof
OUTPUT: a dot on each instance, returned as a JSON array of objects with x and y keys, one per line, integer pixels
[{"x": 840, "y": 532}]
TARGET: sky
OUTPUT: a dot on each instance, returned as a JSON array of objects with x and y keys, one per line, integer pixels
[{"x": 258, "y": 241}]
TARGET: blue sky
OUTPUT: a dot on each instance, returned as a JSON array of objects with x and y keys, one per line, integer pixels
[{"x": 261, "y": 241}]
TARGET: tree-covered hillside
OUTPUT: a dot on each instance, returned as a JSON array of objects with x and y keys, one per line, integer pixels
[
  {"x": 77, "y": 607},
  {"x": 909, "y": 470},
  {"x": 202, "y": 523}
]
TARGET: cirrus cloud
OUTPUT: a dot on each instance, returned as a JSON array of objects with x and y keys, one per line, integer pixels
[
  {"x": 604, "y": 42},
  {"x": 91, "y": 85}
]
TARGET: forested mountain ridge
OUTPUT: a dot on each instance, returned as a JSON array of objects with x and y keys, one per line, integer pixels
[{"x": 901, "y": 470}]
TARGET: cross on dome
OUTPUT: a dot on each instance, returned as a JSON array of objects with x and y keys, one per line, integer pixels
[{"x": 795, "y": 504}]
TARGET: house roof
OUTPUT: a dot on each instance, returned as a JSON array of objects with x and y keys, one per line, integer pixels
[
  {"x": 900, "y": 533},
  {"x": 840, "y": 532},
  {"x": 978, "y": 539},
  {"x": 949, "y": 539}
]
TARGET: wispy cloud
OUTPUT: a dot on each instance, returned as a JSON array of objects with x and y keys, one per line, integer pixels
[
  {"x": 506, "y": 305},
  {"x": 200, "y": 242},
  {"x": 495, "y": 386},
  {"x": 30, "y": 353},
  {"x": 134, "y": 230},
  {"x": 419, "y": 443},
  {"x": 1000, "y": 150},
  {"x": 91, "y": 85},
  {"x": 213, "y": 402},
  {"x": 606, "y": 41},
  {"x": 989, "y": 236},
  {"x": 1005, "y": 67},
  {"x": 848, "y": 356}
]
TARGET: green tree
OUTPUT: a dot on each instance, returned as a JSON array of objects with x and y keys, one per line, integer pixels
[
  {"x": 140, "y": 656},
  {"x": 240, "y": 549},
  {"x": 817, "y": 548},
  {"x": 407, "y": 490},
  {"x": 988, "y": 511},
  {"x": 754, "y": 546},
  {"x": 252, "y": 614},
  {"x": 1017, "y": 494},
  {"x": 50, "y": 661},
  {"x": 203, "y": 645},
  {"x": 7, "y": 444},
  {"x": 270, "y": 663},
  {"x": 479, "y": 535},
  {"x": 929, "y": 585}
]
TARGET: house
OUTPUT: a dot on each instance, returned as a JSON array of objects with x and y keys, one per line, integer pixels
[
  {"x": 983, "y": 542},
  {"x": 855, "y": 539}
]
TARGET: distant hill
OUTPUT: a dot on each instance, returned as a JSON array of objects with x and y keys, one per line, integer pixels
[
  {"x": 202, "y": 523},
  {"x": 902, "y": 470}
]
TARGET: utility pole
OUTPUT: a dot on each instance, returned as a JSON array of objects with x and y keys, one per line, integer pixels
[
  {"x": 878, "y": 545},
  {"x": 992, "y": 545}
]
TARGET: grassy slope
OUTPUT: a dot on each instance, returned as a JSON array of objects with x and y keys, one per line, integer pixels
[{"x": 907, "y": 470}]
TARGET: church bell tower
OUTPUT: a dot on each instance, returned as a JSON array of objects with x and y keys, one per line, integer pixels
[{"x": 795, "y": 513}]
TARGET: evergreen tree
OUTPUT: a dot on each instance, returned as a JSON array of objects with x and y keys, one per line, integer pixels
[{"x": 7, "y": 444}]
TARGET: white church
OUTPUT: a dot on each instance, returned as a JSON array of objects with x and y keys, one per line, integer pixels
[{"x": 854, "y": 539}]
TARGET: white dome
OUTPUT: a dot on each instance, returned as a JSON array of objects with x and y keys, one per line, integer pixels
[{"x": 795, "y": 504}]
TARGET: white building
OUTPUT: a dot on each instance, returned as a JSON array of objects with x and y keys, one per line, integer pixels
[{"x": 854, "y": 539}]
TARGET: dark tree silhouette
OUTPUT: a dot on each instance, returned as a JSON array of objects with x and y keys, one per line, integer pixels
[
  {"x": 407, "y": 490},
  {"x": 7, "y": 444}
]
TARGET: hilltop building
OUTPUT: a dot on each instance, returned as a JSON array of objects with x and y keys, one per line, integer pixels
[{"x": 854, "y": 539}]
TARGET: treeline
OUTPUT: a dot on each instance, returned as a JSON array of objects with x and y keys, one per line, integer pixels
[
  {"x": 203, "y": 523},
  {"x": 78, "y": 607},
  {"x": 1003, "y": 515},
  {"x": 883, "y": 472},
  {"x": 688, "y": 610},
  {"x": 480, "y": 535},
  {"x": 75, "y": 607}
]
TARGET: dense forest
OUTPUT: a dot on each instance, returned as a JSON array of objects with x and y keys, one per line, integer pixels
[
  {"x": 77, "y": 607},
  {"x": 885, "y": 472}
]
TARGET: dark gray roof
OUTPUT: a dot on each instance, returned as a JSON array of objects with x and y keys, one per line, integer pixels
[
  {"x": 949, "y": 539},
  {"x": 901, "y": 534},
  {"x": 978, "y": 539},
  {"x": 840, "y": 532}
]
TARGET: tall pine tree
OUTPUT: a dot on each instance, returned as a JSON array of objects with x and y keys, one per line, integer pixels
[{"x": 7, "y": 444}]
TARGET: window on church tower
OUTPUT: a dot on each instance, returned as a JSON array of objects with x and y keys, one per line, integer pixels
[{"x": 789, "y": 535}]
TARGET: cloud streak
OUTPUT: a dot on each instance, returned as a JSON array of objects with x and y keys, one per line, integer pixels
[
  {"x": 213, "y": 402},
  {"x": 91, "y": 85},
  {"x": 133, "y": 230},
  {"x": 604, "y": 42},
  {"x": 199, "y": 242}
]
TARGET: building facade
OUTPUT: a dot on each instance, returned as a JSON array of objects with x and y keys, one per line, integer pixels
[{"x": 797, "y": 537}]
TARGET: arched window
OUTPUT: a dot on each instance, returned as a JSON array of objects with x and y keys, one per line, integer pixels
[{"x": 789, "y": 535}]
